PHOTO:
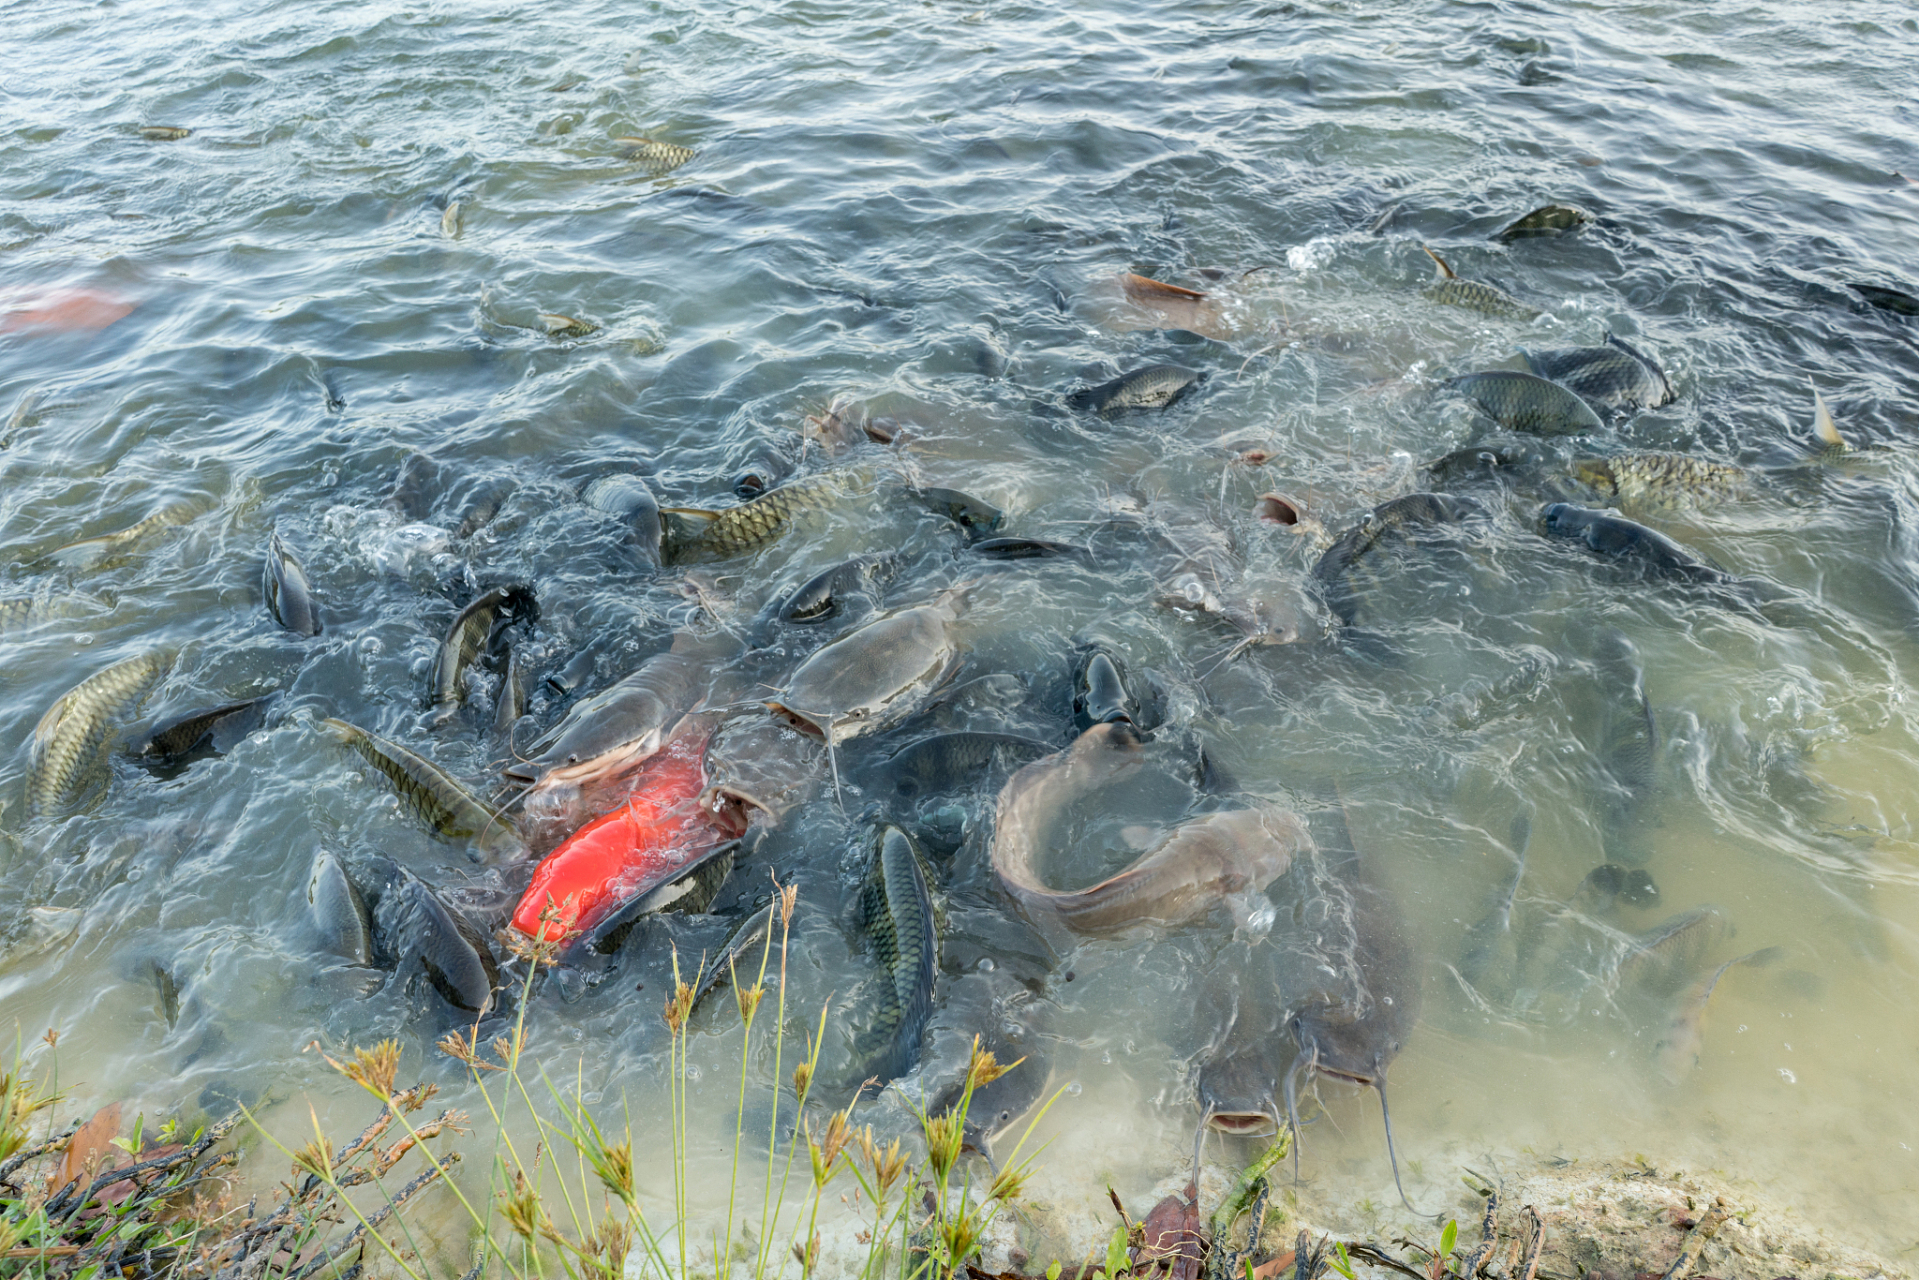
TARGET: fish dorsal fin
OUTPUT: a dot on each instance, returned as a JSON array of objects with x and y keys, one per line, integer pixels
[
  {"x": 1823, "y": 426},
  {"x": 692, "y": 513},
  {"x": 1140, "y": 288},
  {"x": 1445, "y": 272}
]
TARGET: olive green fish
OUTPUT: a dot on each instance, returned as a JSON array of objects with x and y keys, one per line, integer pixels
[
  {"x": 1657, "y": 481},
  {"x": 164, "y": 132},
  {"x": 89, "y": 553},
  {"x": 1547, "y": 220},
  {"x": 696, "y": 533},
  {"x": 450, "y": 220},
  {"x": 1525, "y": 402},
  {"x": 71, "y": 738},
  {"x": 1473, "y": 296},
  {"x": 467, "y": 638},
  {"x": 1615, "y": 374},
  {"x": 432, "y": 796},
  {"x": 1628, "y": 745},
  {"x": 661, "y": 157},
  {"x": 896, "y": 915},
  {"x": 559, "y": 326}
]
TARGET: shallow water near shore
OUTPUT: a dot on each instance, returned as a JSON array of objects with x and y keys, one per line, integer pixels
[{"x": 922, "y": 208}]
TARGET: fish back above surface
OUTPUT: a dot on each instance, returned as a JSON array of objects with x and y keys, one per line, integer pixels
[
  {"x": 469, "y": 636},
  {"x": 289, "y": 595},
  {"x": 1204, "y": 861},
  {"x": 693, "y": 534},
  {"x": 181, "y": 735},
  {"x": 1661, "y": 481},
  {"x": 822, "y": 596},
  {"x": 1470, "y": 295},
  {"x": 1525, "y": 402},
  {"x": 433, "y": 796},
  {"x": 1616, "y": 374},
  {"x": 976, "y": 516},
  {"x": 90, "y": 553},
  {"x": 856, "y": 676},
  {"x": 338, "y": 912},
  {"x": 618, "y": 727},
  {"x": 644, "y": 843},
  {"x": 627, "y": 499},
  {"x": 1401, "y": 521},
  {"x": 1548, "y": 220},
  {"x": 1628, "y": 541},
  {"x": 1154, "y": 387},
  {"x": 71, "y": 739},
  {"x": 896, "y": 916},
  {"x": 411, "y": 922},
  {"x": 948, "y": 762}
]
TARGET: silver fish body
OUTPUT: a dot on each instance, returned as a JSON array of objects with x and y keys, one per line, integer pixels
[
  {"x": 337, "y": 912},
  {"x": 90, "y": 553},
  {"x": 627, "y": 499},
  {"x": 289, "y": 594},
  {"x": 411, "y": 922},
  {"x": 870, "y": 676},
  {"x": 615, "y": 730},
  {"x": 470, "y": 635}
]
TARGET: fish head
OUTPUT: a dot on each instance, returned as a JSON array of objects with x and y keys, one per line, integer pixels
[
  {"x": 1564, "y": 520},
  {"x": 1596, "y": 472},
  {"x": 603, "y": 738},
  {"x": 969, "y": 513},
  {"x": 1100, "y": 695},
  {"x": 1239, "y": 1092},
  {"x": 759, "y": 769},
  {"x": 1348, "y": 1042}
]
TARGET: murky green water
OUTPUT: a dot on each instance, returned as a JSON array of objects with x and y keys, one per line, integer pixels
[{"x": 919, "y": 207}]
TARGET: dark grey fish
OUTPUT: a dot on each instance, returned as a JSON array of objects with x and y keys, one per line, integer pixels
[
  {"x": 202, "y": 732},
  {"x": 740, "y": 955},
  {"x": 616, "y": 729},
  {"x": 338, "y": 912},
  {"x": 1481, "y": 462},
  {"x": 289, "y": 594},
  {"x": 1474, "y": 296},
  {"x": 689, "y": 889},
  {"x": 1154, "y": 387},
  {"x": 1404, "y": 521},
  {"x": 949, "y": 762},
  {"x": 895, "y": 915},
  {"x": 627, "y": 499},
  {"x": 1352, "y": 1024},
  {"x": 481, "y": 505},
  {"x": 1026, "y": 549},
  {"x": 964, "y": 510},
  {"x": 1105, "y": 692},
  {"x": 1609, "y": 884},
  {"x": 1548, "y": 220},
  {"x": 411, "y": 922},
  {"x": 1627, "y": 745},
  {"x": 1009, "y": 1031},
  {"x": 1490, "y": 960},
  {"x": 1893, "y": 300},
  {"x": 826, "y": 593},
  {"x": 417, "y": 486},
  {"x": 1615, "y": 375},
  {"x": 1238, "y": 1080},
  {"x": 1629, "y": 542},
  {"x": 471, "y": 635},
  {"x": 1526, "y": 402}
]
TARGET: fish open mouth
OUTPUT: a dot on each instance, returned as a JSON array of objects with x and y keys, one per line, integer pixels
[
  {"x": 732, "y": 810},
  {"x": 797, "y": 719},
  {"x": 1247, "y": 1123}
]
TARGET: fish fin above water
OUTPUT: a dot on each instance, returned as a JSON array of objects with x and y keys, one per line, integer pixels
[
  {"x": 1445, "y": 272},
  {"x": 1823, "y": 427},
  {"x": 1140, "y": 288}
]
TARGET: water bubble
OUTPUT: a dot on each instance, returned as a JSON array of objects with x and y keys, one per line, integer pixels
[
  {"x": 1074, "y": 1089},
  {"x": 1788, "y": 1076}
]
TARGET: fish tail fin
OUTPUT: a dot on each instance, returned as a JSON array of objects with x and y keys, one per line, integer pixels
[
  {"x": 1445, "y": 272},
  {"x": 1392, "y": 1157},
  {"x": 1823, "y": 427}
]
